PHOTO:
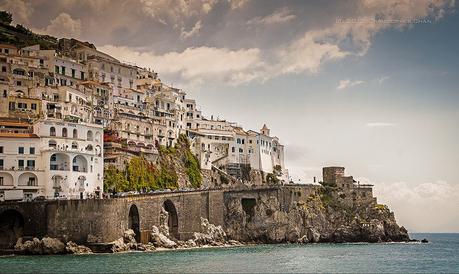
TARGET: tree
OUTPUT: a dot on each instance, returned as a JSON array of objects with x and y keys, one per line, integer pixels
[{"x": 6, "y": 17}]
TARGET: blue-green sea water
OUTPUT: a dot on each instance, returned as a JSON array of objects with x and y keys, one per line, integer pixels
[{"x": 441, "y": 254}]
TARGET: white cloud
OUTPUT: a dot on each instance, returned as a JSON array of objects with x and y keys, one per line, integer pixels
[
  {"x": 305, "y": 54},
  {"x": 380, "y": 124},
  {"x": 382, "y": 79},
  {"x": 195, "y": 30},
  {"x": 64, "y": 26},
  {"x": 237, "y": 4},
  {"x": 197, "y": 65},
  {"x": 427, "y": 207},
  {"x": 343, "y": 84},
  {"x": 175, "y": 11},
  {"x": 283, "y": 15}
]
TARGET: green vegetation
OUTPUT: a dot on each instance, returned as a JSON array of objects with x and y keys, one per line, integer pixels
[
  {"x": 21, "y": 36},
  {"x": 193, "y": 169},
  {"x": 272, "y": 179},
  {"x": 141, "y": 174},
  {"x": 5, "y": 17}
]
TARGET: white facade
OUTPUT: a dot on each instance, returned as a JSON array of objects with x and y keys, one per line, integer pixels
[
  {"x": 21, "y": 166},
  {"x": 73, "y": 159}
]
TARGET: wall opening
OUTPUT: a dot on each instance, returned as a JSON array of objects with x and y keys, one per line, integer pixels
[
  {"x": 248, "y": 205},
  {"x": 134, "y": 221},
  {"x": 172, "y": 221},
  {"x": 11, "y": 228}
]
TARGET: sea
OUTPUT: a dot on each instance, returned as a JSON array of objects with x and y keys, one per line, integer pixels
[{"x": 441, "y": 254}]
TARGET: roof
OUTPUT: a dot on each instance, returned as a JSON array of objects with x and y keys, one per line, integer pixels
[
  {"x": 18, "y": 135},
  {"x": 8, "y": 46},
  {"x": 264, "y": 127}
]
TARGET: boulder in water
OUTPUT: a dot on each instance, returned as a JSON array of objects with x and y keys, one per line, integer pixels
[
  {"x": 52, "y": 246},
  {"x": 73, "y": 248},
  {"x": 160, "y": 240}
]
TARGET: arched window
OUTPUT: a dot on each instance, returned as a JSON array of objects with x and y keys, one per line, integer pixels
[
  {"x": 89, "y": 136},
  {"x": 52, "y": 131},
  {"x": 75, "y": 133},
  {"x": 64, "y": 132}
]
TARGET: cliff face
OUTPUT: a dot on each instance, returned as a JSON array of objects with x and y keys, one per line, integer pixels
[{"x": 309, "y": 219}]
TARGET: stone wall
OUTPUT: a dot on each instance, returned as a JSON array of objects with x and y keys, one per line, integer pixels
[{"x": 101, "y": 221}]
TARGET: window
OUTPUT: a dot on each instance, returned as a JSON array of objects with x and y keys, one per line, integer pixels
[
  {"x": 242, "y": 141},
  {"x": 18, "y": 83},
  {"x": 32, "y": 150},
  {"x": 33, "y": 106},
  {"x": 233, "y": 149},
  {"x": 75, "y": 134},
  {"x": 89, "y": 136},
  {"x": 31, "y": 181},
  {"x": 241, "y": 150},
  {"x": 31, "y": 164},
  {"x": 12, "y": 106},
  {"x": 238, "y": 140},
  {"x": 1, "y": 149},
  {"x": 21, "y": 150},
  {"x": 52, "y": 131},
  {"x": 82, "y": 75},
  {"x": 73, "y": 73},
  {"x": 21, "y": 164},
  {"x": 63, "y": 70},
  {"x": 56, "y": 69},
  {"x": 1, "y": 163},
  {"x": 1, "y": 181},
  {"x": 64, "y": 132},
  {"x": 250, "y": 141}
]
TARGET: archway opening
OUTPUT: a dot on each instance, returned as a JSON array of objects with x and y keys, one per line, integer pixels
[
  {"x": 172, "y": 221},
  {"x": 134, "y": 221},
  {"x": 11, "y": 228}
]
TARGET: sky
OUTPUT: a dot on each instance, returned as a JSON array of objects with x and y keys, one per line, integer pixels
[{"x": 369, "y": 85}]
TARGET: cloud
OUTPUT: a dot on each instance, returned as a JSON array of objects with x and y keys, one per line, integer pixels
[
  {"x": 427, "y": 207},
  {"x": 280, "y": 16},
  {"x": 287, "y": 44},
  {"x": 21, "y": 10},
  {"x": 343, "y": 84},
  {"x": 174, "y": 11},
  {"x": 195, "y": 30},
  {"x": 380, "y": 124},
  {"x": 197, "y": 65},
  {"x": 237, "y": 4},
  {"x": 382, "y": 79},
  {"x": 64, "y": 26}
]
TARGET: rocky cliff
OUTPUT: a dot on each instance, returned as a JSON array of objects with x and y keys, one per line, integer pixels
[{"x": 310, "y": 219}]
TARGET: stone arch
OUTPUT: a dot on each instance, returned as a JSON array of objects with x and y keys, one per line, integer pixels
[
  {"x": 134, "y": 221},
  {"x": 28, "y": 179},
  {"x": 89, "y": 136},
  {"x": 172, "y": 221},
  {"x": 64, "y": 132},
  {"x": 6, "y": 179},
  {"x": 11, "y": 228},
  {"x": 97, "y": 138},
  {"x": 59, "y": 161},
  {"x": 80, "y": 164}
]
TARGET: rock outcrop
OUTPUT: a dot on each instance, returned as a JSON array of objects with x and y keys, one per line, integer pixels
[
  {"x": 49, "y": 246},
  {"x": 310, "y": 220},
  {"x": 160, "y": 240},
  {"x": 73, "y": 248}
]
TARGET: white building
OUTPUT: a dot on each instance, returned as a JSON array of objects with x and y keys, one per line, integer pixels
[{"x": 51, "y": 159}]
